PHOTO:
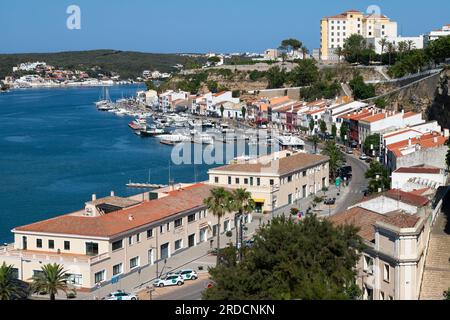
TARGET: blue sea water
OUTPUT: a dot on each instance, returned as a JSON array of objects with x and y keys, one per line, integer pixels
[{"x": 56, "y": 150}]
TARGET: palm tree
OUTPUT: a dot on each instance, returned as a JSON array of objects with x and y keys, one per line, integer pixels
[
  {"x": 383, "y": 43},
  {"x": 305, "y": 51},
  {"x": 371, "y": 47},
  {"x": 219, "y": 204},
  {"x": 339, "y": 53},
  {"x": 390, "y": 49},
  {"x": 315, "y": 141},
  {"x": 52, "y": 279},
  {"x": 241, "y": 200},
  {"x": 8, "y": 285},
  {"x": 410, "y": 44},
  {"x": 402, "y": 47}
]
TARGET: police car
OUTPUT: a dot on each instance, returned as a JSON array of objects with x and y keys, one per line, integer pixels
[
  {"x": 120, "y": 295},
  {"x": 187, "y": 274},
  {"x": 170, "y": 280}
]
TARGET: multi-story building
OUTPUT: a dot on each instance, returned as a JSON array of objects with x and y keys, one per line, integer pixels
[
  {"x": 114, "y": 236},
  {"x": 277, "y": 180},
  {"x": 166, "y": 99},
  {"x": 335, "y": 30},
  {"x": 436, "y": 34},
  {"x": 395, "y": 229}
]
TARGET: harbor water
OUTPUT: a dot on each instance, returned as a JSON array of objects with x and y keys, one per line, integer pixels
[{"x": 57, "y": 149}]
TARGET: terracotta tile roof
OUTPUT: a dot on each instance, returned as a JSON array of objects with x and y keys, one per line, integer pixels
[
  {"x": 426, "y": 141},
  {"x": 400, "y": 132},
  {"x": 118, "y": 222},
  {"x": 219, "y": 94},
  {"x": 115, "y": 201},
  {"x": 420, "y": 192},
  {"x": 410, "y": 114},
  {"x": 365, "y": 221},
  {"x": 427, "y": 170},
  {"x": 407, "y": 197},
  {"x": 358, "y": 116},
  {"x": 374, "y": 118},
  {"x": 278, "y": 167},
  {"x": 279, "y": 100}
]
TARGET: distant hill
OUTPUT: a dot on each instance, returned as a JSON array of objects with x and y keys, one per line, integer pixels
[{"x": 127, "y": 63}]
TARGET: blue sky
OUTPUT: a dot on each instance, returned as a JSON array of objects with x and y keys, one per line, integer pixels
[{"x": 191, "y": 25}]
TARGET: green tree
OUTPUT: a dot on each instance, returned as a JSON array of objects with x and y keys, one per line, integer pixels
[
  {"x": 150, "y": 85},
  {"x": 276, "y": 78},
  {"x": 9, "y": 286},
  {"x": 447, "y": 295},
  {"x": 306, "y": 260},
  {"x": 334, "y": 131},
  {"x": 339, "y": 52},
  {"x": 315, "y": 141},
  {"x": 336, "y": 159},
  {"x": 353, "y": 47},
  {"x": 383, "y": 43},
  {"x": 218, "y": 204},
  {"x": 242, "y": 202},
  {"x": 380, "y": 103},
  {"x": 323, "y": 127},
  {"x": 312, "y": 124},
  {"x": 361, "y": 90},
  {"x": 213, "y": 86},
  {"x": 439, "y": 50},
  {"x": 52, "y": 279},
  {"x": 304, "y": 74},
  {"x": 344, "y": 133},
  {"x": 378, "y": 177},
  {"x": 372, "y": 141},
  {"x": 214, "y": 60}
]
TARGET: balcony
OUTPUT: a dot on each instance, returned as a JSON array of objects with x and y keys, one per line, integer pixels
[{"x": 50, "y": 257}]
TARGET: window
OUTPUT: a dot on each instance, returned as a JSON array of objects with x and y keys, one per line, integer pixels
[
  {"x": 51, "y": 244},
  {"x": 91, "y": 249},
  {"x": 168, "y": 227},
  {"x": 66, "y": 245},
  {"x": 229, "y": 180},
  {"x": 130, "y": 240},
  {"x": 386, "y": 273},
  {"x": 251, "y": 181},
  {"x": 191, "y": 218},
  {"x": 99, "y": 276},
  {"x": 237, "y": 181},
  {"x": 134, "y": 263},
  {"x": 138, "y": 237},
  {"x": 178, "y": 223},
  {"x": 289, "y": 179},
  {"x": 149, "y": 233},
  {"x": 368, "y": 265},
  {"x": 272, "y": 182},
  {"x": 161, "y": 229},
  {"x": 246, "y": 181},
  {"x": 39, "y": 243},
  {"x": 191, "y": 240},
  {"x": 74, "y": 279},
  {"x": 117, "y": 245},
  {"x": 304, "y": 173},
  {"x": 258, "y": 181},
  {"x": 290, "y": 199},
  {"x": 117, "y": 269},
  {"x": 216, "y": 179},
  {"x": 178, "y": 244}
]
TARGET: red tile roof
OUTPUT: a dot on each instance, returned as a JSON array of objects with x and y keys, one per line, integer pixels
[
  {"x": 407, "y": 197},
  {"x": 365, "y": 220},
  {"x": 119, "y": 222},
  {"x": 427, "y": 170}
]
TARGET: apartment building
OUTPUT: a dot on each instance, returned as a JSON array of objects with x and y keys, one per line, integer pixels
[
  {"x": 167, "y": 98},
  {"x": 395, "y": 229},
  {"x": 114, "y": 236},
  {"x": 218, "y": 99},
  {"x": 334, "y": 30},
  {"x": 428, "y": 150},
  {"x": 277, "y": 180},
  {"x": 439, "y": 33},
  {"x": 417, "y": 177}
]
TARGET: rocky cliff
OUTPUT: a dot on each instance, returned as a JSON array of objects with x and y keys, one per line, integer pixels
[{"x": 440, "y": 107}]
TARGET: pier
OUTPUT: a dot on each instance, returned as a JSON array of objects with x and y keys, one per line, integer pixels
[{"x": 145, "y": 185}]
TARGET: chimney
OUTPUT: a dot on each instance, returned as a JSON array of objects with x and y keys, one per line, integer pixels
[
  {"x": 410, "y": 142},
  {"x": 435, "y": 140},
  {"x": 94, "y": 197},
  {"x": 446, "y": 133},
  {"x": 113, "y": 194},
  {"x": 130, "y": 217}
]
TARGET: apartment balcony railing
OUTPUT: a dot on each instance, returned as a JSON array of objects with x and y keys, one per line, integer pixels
[{"x": 9, "y": 251}]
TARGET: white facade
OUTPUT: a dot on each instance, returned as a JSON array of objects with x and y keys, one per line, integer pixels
[
  {"x": 436, "y": 34},
  {"x": 417, "y": 42},
  {"x": 408, "y": 181}
]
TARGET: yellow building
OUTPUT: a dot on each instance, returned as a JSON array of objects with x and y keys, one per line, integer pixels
[{"x": 336, "y": 29}]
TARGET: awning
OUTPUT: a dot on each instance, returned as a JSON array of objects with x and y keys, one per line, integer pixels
[{"x": 259, "y": 200}]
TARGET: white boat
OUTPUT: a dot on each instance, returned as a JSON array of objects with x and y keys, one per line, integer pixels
[
  {"x": 203, "y": 138},
  {"x": 173, "y": 138}
]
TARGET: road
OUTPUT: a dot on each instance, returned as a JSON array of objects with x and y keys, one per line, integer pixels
[{"x": 357, "y": 185}]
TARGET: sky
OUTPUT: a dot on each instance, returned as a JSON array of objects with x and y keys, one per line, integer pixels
[{"x": 175, "y": 26}]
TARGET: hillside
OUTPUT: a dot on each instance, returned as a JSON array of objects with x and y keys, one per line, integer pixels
[{"x": 128, "y": 64}]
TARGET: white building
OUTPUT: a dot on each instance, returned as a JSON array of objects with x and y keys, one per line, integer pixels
[
  {"x": 436, "y": 34},
  {"x": 415, "y": 42},
  {"x": 335, "y": 30},
  {"x": 166, "y": 99},
  {"x": 420, "y": 177}
]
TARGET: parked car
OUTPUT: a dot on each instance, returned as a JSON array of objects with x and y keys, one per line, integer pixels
[
  {"x": 120, "y": 295},
  {"x": 363, "y": 157},
  {"x": 349, "y": 151},
  {"x": 187, "y": 274},
  {"x": 330, "y": 202},
  {"x": 170, "y": 280}
]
